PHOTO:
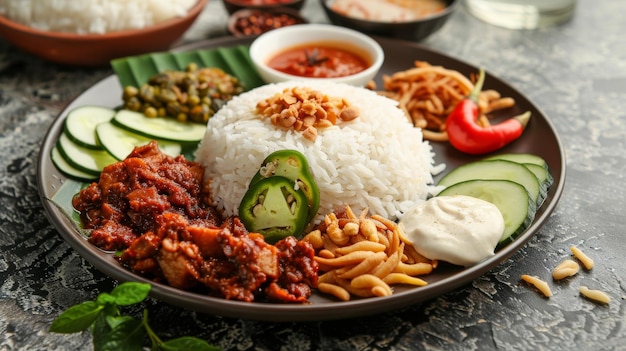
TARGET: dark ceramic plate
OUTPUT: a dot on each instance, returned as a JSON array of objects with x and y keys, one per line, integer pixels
[{"x": 539, "y": 138}]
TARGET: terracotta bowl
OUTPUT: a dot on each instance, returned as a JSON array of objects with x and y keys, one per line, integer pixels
[
  {"x": 233, "y": 6},
  {"x": 97, "y": 49},
  {"x": 416, "y": 30}
]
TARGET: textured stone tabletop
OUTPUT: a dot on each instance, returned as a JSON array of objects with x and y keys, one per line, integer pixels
[{"x": 575, "y": 73}]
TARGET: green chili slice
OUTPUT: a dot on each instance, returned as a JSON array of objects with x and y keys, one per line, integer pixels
[
  {"x": 274, "y": 208},
  {"x": 292, "y": 165}
]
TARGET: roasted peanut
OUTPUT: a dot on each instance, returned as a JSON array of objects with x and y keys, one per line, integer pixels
[
  {"x": 565, "y": 269},
  {"x": 305, "y": 110}
]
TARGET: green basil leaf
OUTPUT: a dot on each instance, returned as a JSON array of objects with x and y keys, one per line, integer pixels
[
  {"x": 188, "y": 343},
  {"x": 76, "y": 318},
  {"x": 114, "y": 321},
  {"x": 105, "y": 298},
  {"x": 100, "y": 330},
  {"x": 120, "y": 334},
  {"x": 130, "y": 293}
]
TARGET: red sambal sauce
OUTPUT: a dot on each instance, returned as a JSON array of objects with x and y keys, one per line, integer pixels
[
  {"x": 263, "y": 2},
  {"x": 319, "y": 60},
  {"x": 154, "y": 210}
]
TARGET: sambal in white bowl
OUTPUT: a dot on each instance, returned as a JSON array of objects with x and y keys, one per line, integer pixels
[{"x": 318, "y": 52}]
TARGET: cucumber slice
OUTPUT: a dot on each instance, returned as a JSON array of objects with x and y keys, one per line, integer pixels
[
  {"x": 517, "y": 207},
  {"x": 545, "y": 178},
  {"x": 82, "y": 158},
  {"x": 68, "y": 169},
  {"x": 535, "y": 164},
  {"x": 159, "y": 128},
  {"x": 520, "y": 158},
  {"x": 497, "y": 169},
  {"x": 120, "y": 142},
  {"x": 80, "y": 124}
]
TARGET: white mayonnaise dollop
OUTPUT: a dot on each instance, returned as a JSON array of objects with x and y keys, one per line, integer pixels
[{"x": 458, "y": 229}]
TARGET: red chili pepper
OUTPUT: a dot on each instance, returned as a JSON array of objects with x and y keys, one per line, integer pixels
[{"x": 469, "y": 137}]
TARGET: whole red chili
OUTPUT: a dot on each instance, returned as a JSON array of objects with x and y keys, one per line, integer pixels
[{"x": 469, "y": 137}]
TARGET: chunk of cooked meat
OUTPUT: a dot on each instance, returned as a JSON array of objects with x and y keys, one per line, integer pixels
[
  {"x": 155, "y": 209},
  {"x": 133, "y": 192}
]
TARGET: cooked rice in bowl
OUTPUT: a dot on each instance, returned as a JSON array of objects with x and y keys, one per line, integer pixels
[
  {"x": 92, "y": 16},
  {"x": 377, "y": 161}
]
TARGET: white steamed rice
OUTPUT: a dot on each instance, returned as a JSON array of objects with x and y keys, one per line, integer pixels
[
  {"x": 92, "y": 16},
  {"x": 378, "y": 161}
]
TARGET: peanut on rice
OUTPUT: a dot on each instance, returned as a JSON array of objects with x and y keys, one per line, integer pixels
[{"x": 305, "y": 110}]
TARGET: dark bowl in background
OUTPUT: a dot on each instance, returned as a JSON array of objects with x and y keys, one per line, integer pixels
[
  {"x": 417, "y": 30},
  {"x": 233, "y": 6},
  {"x": 279, "y": 17}
]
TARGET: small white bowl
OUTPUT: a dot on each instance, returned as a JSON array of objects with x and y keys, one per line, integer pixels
[{"x": 273, "y": 42}]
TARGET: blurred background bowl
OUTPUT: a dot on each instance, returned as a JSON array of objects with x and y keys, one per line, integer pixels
[
  {"x": 271, "y": 43},
  {"x": 233, "y": 6},
  {"x": 97, "y": 49},
  {"x": 415, "y": 30},
  {"x": 250, "y": 22}
]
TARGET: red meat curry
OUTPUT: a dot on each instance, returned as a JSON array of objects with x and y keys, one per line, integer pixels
[{"x": 155, "y": 209}]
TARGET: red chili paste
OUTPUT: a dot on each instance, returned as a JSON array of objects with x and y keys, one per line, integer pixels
[
  {"x": 155, "y": 210},
  {"x": 319, "y": 60},
  {"x": 263, "y": 2}
]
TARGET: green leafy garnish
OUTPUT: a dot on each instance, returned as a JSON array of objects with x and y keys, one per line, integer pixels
[
  {"x": 110, "y": 330},
  {"x": 235, "y": 60}
]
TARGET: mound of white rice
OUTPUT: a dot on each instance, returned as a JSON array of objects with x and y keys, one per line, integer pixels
[
  {"x": 378, "y": 161},
  {"x": 92, "y": 16}
]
